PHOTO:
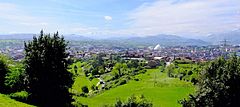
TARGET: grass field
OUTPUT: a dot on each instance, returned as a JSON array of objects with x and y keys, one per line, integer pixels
[
  {"x": 8, "y": 102},
  {"x": 161, "y": 90},
  {"x": 81, "y": 80}
]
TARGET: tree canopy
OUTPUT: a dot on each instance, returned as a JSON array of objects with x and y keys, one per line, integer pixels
[
  {"x": 218, "y": 86},
  {"x": 3, "y": 73},
  {"x": 46, "y": 70}
]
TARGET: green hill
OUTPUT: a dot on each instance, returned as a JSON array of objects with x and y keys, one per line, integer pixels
[
  {"x": 8, "y": 102},
  {"x": 154, "y": 85}
]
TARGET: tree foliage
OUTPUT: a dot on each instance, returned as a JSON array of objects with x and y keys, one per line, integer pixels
[
  {"x": 11, "y": 75},
  {"x": 46, "y": 70},
  {"x": 170, "y": 70},
  {"x": 3, "y": 73},
  {"x": 218, "y": 86},
  {"x": 119, "y": 69},
  {"x": 15, "y": 78},
  {"x": 134, "y": 101}
]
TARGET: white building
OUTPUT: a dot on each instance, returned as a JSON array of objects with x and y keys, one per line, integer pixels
[{"x": 157, "y": 47}]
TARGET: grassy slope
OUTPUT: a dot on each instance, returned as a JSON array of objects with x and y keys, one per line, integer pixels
[
  {"x": 156, "y": 86},
  {"x": 8, "y": 102},
  {"x": 81, "y": 80}
]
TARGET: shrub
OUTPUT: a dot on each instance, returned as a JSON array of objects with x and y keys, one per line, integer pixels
[
  {"x": 121, "y": 82},
  {"x": 20, "y": 96},
  {"x": 15, "y": 78},
  {"x": 136, "y": 79},
  {"x": 134, "y": 101},
  {"x": 170, "y": 70}
]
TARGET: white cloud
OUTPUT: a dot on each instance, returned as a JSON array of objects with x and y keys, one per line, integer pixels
[
  {"x": 16, "y": 19},
  {"x": 185, "y": 17},
  {"x": 107, "y": 18},
  {"x": 13, "y": 13},
  {"x": 162, "y": 16},
  {"x": 35, "y": 24}
]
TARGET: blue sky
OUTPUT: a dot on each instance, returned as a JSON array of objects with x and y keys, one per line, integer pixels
[{"x": 120, "y": 17}]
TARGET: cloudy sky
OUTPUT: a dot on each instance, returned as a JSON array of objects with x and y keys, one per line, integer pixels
[{"x": 120, "y": 17}]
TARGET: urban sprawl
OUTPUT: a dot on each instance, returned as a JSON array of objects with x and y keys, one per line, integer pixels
[{"x": 158, "y": 52}]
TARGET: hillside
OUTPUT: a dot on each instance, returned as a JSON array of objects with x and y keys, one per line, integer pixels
[
  {"x": 166, "y": 40},
  {"x": 162, "y": 39},
  {"x": 161, "y": 90},
  {"x": 30, "y": 36},
  {"x": 74, "y": 37},
  {"x": 8, "y": 102},
  {"x": 17, "y": 36},
  {"x": 232, "y": 37}
]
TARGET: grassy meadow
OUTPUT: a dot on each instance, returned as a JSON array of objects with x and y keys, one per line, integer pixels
[
  {"x": 156, "y": 86},
  {"x": 5, "y": 101}
]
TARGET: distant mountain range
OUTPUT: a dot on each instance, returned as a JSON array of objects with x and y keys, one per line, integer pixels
[
  {"x": 166, "y": 40},
  {"x": 21, "y": 36},
  {"x": 30, "y": 37},
  {"x": 75, "y": 37},
  {"x": 232, "y": 37}
]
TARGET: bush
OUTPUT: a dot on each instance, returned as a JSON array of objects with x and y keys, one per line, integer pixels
[
  {"x": 152, "y": 64},
  {"x": 170, "y": 70},
  {"x": 20, "y": 96},
  {"x": 15, "y": 78},
  {"x": 136, "y": 79},
  {"x": 121, "y": 82},
  {"x": 134, "y": 101}
]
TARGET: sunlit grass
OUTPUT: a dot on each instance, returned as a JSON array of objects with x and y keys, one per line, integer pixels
[
  {"x": 8, "y": 102},
  {"x": 154, "y": 85}
]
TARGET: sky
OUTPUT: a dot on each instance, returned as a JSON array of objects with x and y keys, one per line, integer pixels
[{"x": 120, "y": 17}]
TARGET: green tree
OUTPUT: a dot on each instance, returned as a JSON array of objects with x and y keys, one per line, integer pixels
[
  {"x": 46, "y": 70},
  {"x": 119, "y": 69},
  {"x": 170, "y": 70},
  {"x": 11, "y": 75},
  {"x": 15, "y": 78},
  {"x": 218, "y": 86},
  {"x": 152, "y": 64},
  {"x": 3, "y": 72},
  {"x": 133, "y": 64}
]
